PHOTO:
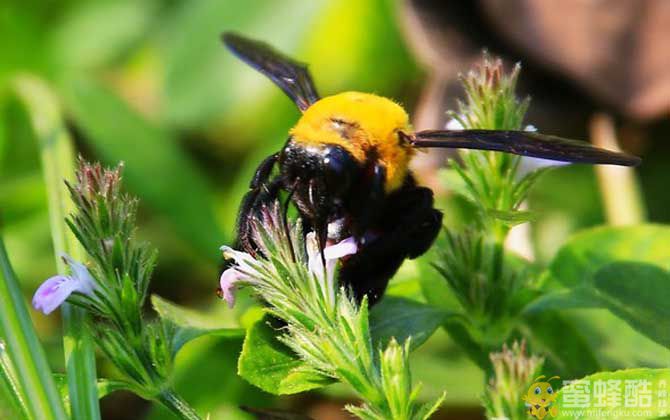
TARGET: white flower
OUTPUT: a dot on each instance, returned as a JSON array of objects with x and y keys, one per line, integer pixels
[
  {"x": 55, "y": 290},
  {"x": 243, "y": 270},
  {"x": 454, "y": 124},
  {"x": 530, "y": 164},
  {"x": 331, "y": 254}
]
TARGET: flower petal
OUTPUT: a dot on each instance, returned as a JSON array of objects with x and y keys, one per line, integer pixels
[
  {"x": 81, "y": 274},
  {"x": 314, "y": 262},
  {"x": 53, "y": 292},
  {"x": 227, "y": 284},
  {"x": 241, "y": 258},
  {"x": 530, "y": 164},
  {"x": 341, "y": 249},
  {"x": 454, "y": 124},
  {"x": 244, "y": 262}
]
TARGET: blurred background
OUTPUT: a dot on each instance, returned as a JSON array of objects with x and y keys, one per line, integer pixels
[{"x": 148, "y": 83}]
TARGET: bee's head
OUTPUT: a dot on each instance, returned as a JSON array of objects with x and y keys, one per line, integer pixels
[
  {"x": 334, "y": 142},
  {"x": 320, "y": 178},
  {"x": 364, "y": 125}
]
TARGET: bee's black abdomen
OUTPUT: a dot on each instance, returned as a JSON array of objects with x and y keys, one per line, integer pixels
[{"x": 407, "y": 227}]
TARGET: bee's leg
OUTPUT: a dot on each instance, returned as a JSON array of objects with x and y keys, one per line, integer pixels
[
  {"x": 261, "y": 190},
  {"x": 285, "y": 222},
  {"x": 408, "y": 226}
]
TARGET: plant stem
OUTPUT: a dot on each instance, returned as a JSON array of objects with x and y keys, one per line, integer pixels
[
  {"x": 9, "y": 386},
  {"x": 177, "y": 405},
  {"x": 57, "y": 157},
  {"x": 619, "y": 187},
  {"x": 27, "y": 355}
]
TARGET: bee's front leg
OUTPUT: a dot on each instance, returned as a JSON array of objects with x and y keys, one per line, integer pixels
[{"x": 262, "y": 191}]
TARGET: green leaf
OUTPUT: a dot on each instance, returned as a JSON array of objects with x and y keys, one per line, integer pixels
[
  {"x": 656, "y": 380},
  {"x": 157, "y": 170},
  {"x": 111, "y": 28},
  {"x": 190, "y": 86},
  {"x": 401, "y": 318},
  {"x": 24, "y": 348},
  {"x": 560, "y": 341},
  {"x": 271, "y": 366},
  {"x": 211, "y": 364},
  {"x": 585, "y": 253},
  {"x": 623, "y": 269},
  {"x": 12, "y": 399},
  {"x": 578, "y": 297},
  {"x": 188, "y": 324},
  {"x": 640, "y": 295},
  {"x": 57, "y": 156},
  {"x": 104, "y": 387}
]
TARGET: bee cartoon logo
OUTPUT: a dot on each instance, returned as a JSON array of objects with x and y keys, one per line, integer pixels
[{"x": 541, "y": 399}]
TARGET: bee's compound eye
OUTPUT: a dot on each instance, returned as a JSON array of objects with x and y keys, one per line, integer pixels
[
  {"x": 339, "y": 168},
  {"x": 538, "y": 391},
  {"x": 550, "y": 390}
]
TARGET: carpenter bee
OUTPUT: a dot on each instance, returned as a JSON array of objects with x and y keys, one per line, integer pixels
[{"x": 345, "y": 168}]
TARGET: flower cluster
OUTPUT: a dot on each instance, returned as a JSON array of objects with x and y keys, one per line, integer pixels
[
  {"x": 112, "y": 287},
  {"x": 513, "y": 373},
  {"x": 325, "y": 326},
  {"x": 244, "y": 273},
  {"x": 491, "y": 284},
  {"x": 495, "y": 183}
]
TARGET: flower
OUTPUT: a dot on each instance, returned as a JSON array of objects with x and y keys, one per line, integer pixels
[
  {"x": 55, "y": 290},
  {"x": 531, "y": 164},
  {"x": 227, "y": 285},
  {"x": 331, "y": 254},
  {"x": 244, "y": 269},
  {"x": 454, "y": 124}
]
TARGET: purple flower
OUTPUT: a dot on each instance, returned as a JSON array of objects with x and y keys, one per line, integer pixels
[
  {"x": 244, "y": 270},
  {"x": 55, "y": 290},
  {"x": 227, "y": 285}
]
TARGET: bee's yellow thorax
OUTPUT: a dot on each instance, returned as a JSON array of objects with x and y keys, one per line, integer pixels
[{"x": 360, "y": 123}]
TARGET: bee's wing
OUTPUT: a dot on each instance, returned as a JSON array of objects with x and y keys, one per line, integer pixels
[
  {"x": 524, "y": 143},
  {"x": 290, "y": 75}
]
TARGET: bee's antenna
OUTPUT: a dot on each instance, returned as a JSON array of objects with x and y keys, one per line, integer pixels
[{"x": 407, "y": 139}]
